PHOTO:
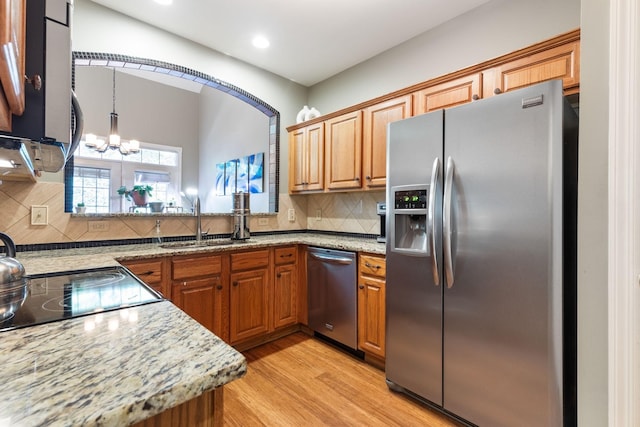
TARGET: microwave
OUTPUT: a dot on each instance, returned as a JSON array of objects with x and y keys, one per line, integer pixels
[{"x": 45, "y": 125}]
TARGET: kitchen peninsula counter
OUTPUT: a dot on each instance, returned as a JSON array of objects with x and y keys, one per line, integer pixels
[
  {"x": 111, "y": 369},
  {"x": 106, "y": 256}
]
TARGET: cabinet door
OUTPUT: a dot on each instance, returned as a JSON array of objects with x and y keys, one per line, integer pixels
[
  {"x": 448, "y": 94},
  {"x": 249, "y": 304},
  {"x": 374, "y": 136},
  {"x": 12, "y": 54},
  {"x": 285, "y": 299},
  {"x": 153, "y": 272},
  {"x": 306, "y": 158},
  {"x": 562, "y": 62},
  {"x": 371, "y": 315},
  {"x": 197, "y": 299},
  {"x": 343, "y": 152}
]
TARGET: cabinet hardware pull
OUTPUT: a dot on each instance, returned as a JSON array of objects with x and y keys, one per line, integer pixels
[
  {"x": 497, "y": 91},
  {"x": 368, "y": 178},
  {"x": 219, "y": 287},
  {"x": 36, "y": 81},
  {"x": 286, "y": 256},
  {"x": 147, "y": 273},
  {"x": 361, "y": 286},
  {"x": 366, "y": 264},
  {"x": 356, "y": 179},
  {"x": 475, "y": 97},
  {"x": 278, "y": 275},
  {"x": 235, "y": 283}
]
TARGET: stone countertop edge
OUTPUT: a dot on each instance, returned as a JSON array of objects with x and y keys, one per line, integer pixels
[
  {"x": 39, "y": 262},
  {"x": 110, "y": 369}
]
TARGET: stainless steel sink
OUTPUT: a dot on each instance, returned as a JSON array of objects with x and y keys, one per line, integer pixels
[{"x": 203, "y": 243}]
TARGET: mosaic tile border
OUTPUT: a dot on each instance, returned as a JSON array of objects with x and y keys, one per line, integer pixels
[{"x": 147, "y": 240}]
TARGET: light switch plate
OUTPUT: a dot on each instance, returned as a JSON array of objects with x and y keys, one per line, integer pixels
[{"x": 39, "y": 215}]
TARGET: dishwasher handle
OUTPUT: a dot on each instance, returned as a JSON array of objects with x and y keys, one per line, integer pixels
[{"x": 332, "y": 259}]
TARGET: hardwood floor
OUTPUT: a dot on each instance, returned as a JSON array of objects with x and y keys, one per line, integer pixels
[{"x": 299, "y": 380}]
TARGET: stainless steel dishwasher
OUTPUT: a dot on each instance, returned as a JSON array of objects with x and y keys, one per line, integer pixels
[{"x": 332, "y": 281}]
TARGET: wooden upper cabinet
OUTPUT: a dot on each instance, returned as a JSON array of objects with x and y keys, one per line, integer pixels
[
  {"x": 562, "y": 62},
  {"x": 343, "y": 152},
  {"x": 374, "y": 137},
  {"x": 448, "y": 94},
  {"x": 12, "y": 59},
  {"x": 306, "y": 158}
]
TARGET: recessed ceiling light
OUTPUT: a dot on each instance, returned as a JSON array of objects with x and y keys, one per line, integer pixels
[
  {"x": 164, "y": 2},
  {"x": 260, "y": 42}
]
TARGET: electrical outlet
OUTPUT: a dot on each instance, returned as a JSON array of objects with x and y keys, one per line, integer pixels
[
  {"x": 291, "y": 215},
  {"x": 263, "y": 221},
  {"x": 39, "y": 215},
  {"x": 98, "y": 226},
  {"x": 318, "y": 214}
]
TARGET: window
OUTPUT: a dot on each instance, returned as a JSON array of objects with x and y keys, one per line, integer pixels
[
  {"x": 91, "y": 186},
  {"x": 97, "y": 176}
]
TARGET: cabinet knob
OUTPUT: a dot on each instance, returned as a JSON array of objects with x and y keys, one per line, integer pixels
[
  {"x": 361, "y": 286},
  {"x": 368, "y": 178},
  {"x": 356, "y": 179},
  {"x": 36, "y": 81},
  {"x": 475, "y": 97},
  {"x": 235, "y": 283},
  {"x": 219, "y": 287},
  {"x": 278, "y": 275},
  {"x": 497, "y": 91}
]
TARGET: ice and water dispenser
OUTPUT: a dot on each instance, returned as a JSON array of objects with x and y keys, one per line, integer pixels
[{"x": 408, "y": 223}]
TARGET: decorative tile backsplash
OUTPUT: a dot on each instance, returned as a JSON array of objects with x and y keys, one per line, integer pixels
[{"x": 342, "y": 212}]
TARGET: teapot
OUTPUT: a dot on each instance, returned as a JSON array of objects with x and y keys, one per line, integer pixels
[{"x": 11, "y": 270}]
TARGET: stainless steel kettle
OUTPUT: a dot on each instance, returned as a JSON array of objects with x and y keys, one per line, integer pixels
[{"x": 11, "y": 270}]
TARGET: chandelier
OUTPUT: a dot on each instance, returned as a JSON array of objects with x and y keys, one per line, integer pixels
[{"x": 113, "y": 142}]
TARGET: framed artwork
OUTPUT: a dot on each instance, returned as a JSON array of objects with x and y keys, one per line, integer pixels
[
  {"x": 256, "y": 173},
  {"x": 220, "y": 179},
  {"x": 240, "y": 175},
  {"x": 230, "y": 176}
]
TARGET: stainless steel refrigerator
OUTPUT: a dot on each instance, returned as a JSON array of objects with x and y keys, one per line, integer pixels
[{"x": 481, "y": 248}]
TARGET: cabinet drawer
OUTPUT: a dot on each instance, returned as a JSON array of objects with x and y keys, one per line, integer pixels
[
  {"x": 248, "y": 260},
  {"x": 150, "y": 272},
  {"x": 186, "y": 268},
  {"x": 373, "y": 265},
  {"x": 286, "y": 255}
]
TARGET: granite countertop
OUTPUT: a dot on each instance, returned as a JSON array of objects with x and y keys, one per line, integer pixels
[
  {"x": 110, "y": 369},
  {"x": 75, "y": 259},
  {"x": 121, "y": 367}
]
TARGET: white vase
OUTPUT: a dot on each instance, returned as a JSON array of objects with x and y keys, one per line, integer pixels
[
  {"x": 312, "y": 114},
  {"x": 302, "y": 114}
]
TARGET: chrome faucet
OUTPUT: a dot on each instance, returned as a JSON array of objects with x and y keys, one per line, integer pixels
[{"x": 196, "y": 212}]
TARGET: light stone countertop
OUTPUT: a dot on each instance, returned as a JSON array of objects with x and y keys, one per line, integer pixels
[
  {"x": 110, "y": 369},
  {"x": 77, "y": 259},
  {"x": 123, "y": 366}
]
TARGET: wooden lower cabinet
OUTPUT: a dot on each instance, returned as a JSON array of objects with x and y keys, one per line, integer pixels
[
  {"x": 205, "y": 410},
  {"x": 152, "y": 271},
  {"x": 249, "y": 304},
  {"x": 371, "y": 304},
  {"x": 285, "y": 287},
  {"x": 200, "y": 287},
  {"x": 250, "y": 295}
]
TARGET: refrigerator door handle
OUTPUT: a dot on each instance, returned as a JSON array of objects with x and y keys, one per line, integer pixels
[
  {"x": 447, "y": 226},
  {"x": 431, "y": 224}
]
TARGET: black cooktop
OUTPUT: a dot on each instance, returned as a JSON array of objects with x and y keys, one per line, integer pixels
[{"x": 57, "y": 296}]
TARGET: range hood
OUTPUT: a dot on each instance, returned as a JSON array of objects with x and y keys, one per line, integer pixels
[{"x": 15, "y": 162}]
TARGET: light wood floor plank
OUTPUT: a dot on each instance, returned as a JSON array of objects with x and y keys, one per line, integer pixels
[{"x": 301, "y": 381}]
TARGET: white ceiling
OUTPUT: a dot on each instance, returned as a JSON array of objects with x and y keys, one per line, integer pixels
[{"x": 311, "y": 40}]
